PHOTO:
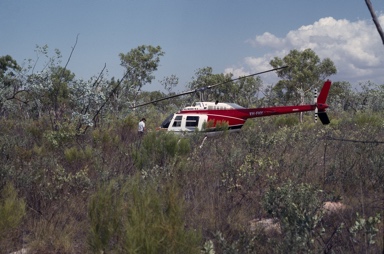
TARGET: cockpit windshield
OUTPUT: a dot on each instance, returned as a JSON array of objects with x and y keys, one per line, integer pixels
[{"x": 167, "y": 121}]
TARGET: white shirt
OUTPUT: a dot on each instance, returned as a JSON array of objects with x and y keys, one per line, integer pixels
[{"x": 141, "y": 126}]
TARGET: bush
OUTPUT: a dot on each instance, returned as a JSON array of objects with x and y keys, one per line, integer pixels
[
  {"x": 297, "y": 207},
  {"x": 137, "y": 216},
  {"x": 12, "y": 211}
]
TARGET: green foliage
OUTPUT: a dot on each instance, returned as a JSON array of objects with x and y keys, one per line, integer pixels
[
  {"x": 305, "y": 71},
  {"x": 368, "y": 227},
  {"x": 137, "y": 217},
  {"x": 207, "y": 126},
  {"x": 61, "y": 136},
  {"x": 7, "y": 63},
  {"x": 288, "y": 120},
  {"x": 157, "y": 148},
  {"x": 244, "y": 91},
  {"x": 208, "y": 248},
  {"x": 139, "y": 64},
  {"x": 57, "y": 139},
  {"x": 245, "y": 244},
  {"x": 297, "y": 208},
  {"x": 12, "y": 210},
  {"x": 373, "y": 120},
  {"x": 104, "y": 214},
  {"x": 55, "y": 236},
  {"x": 221, "y": 126},
  {"x": 74, "y": 154}
]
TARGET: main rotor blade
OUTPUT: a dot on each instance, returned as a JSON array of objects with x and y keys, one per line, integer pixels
[
  {"x": 165, "y": 98},
  {"x": 207, "y": 87}
]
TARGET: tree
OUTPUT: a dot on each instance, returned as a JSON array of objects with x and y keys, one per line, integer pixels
[
  {"x": 243, "y": 91},
  {"x": 169, "y": 83},
  {"x": 49, "y": 92},
  {"x": 203, "y": 78},
  {"x": 305, "y": 71},
  {"x": 7, "y": 63},
  {"x": 10, "y": 86},
  {"x": 140, "y": 63},
  {"x": 249, "y": 89}
]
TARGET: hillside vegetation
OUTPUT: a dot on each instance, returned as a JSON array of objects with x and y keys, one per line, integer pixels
[
  {"x": 76, "y": 177},
  {"x": 109, "y": 191}
]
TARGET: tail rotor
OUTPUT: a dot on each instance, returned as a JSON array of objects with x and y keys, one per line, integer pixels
[{"x": 315, "y": 101}]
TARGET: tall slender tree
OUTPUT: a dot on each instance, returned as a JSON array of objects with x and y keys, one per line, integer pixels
[{"x": 139, "y": 64}]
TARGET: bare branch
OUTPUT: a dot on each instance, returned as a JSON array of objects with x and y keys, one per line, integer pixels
[
  {"x": 13, "y": 97},
  {"x": 96, "y": 83},
  {"x": 70, "y": 55}
]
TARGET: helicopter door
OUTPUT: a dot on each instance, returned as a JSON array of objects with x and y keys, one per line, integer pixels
[{"x": 196, "y": 122}]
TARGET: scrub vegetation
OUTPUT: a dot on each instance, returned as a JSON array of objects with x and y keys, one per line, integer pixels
[{"x": 76, "y": 177}]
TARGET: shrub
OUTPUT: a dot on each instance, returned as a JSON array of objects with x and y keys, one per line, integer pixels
[
  {"x": 12, "y": 210},
  {"x": 297, "y": 207},
  {"x": 137, "y": 216}
]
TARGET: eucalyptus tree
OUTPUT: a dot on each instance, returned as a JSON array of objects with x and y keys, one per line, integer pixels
[
  {"x": 305, "y": 72},
  {"x": 49, "y": 92},
  {"x": 204, "y": 78},
  {"x": 48, "y": 87},
  {"x": 243, "y": 91},
  {"x": 249, "y": 89},
  {"x": 139, "y": 64}
]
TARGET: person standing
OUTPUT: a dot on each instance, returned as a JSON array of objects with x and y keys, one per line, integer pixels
[{"x": 141, "y": 129}]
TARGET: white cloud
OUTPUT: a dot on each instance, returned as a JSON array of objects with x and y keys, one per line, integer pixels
[
  {"x": 239, "y": 72},
  {"x": 354, "y": 47},
  {"x": 267, "y": 39}
]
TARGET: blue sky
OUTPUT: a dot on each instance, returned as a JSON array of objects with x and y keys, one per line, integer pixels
[{"x": 230, "y": 36}]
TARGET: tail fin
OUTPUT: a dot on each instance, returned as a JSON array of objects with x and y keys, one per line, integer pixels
[
  {"x": 324, "y": 92},
  {"x": 320, "y": 105}
]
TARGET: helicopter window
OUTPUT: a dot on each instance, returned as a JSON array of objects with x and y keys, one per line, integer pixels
[
  {"x": 192, "y": 121},
  {"x": 177, "y": 121}
]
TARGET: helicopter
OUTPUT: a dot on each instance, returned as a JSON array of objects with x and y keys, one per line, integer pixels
[{"x": 213, "y": 117}]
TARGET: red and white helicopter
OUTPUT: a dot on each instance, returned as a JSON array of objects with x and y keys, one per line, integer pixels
[{"x": 210, "y": 117}]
